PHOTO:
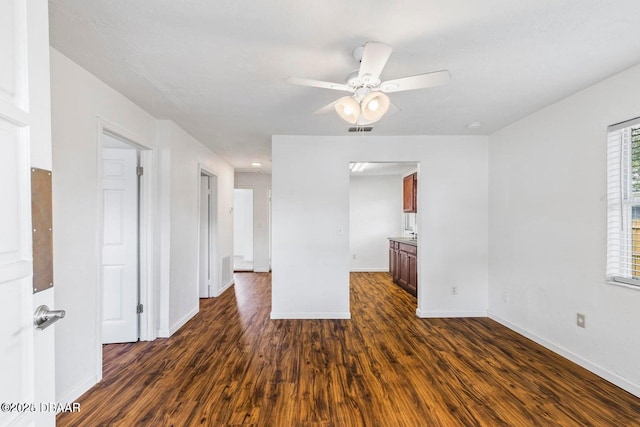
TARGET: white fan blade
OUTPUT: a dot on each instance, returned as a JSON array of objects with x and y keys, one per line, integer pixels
[
  {"x": 421, "y": 81},
  {"x": 317, "y": 83},
  {"x": 374, "y": 59},
  {"x": 326, "y": 109}
]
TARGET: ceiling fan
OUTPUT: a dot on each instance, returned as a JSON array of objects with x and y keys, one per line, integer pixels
[{"x": 369, "y": 102}]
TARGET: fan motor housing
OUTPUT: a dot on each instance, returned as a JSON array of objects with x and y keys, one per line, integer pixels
[{"x": 354, "y": 81}]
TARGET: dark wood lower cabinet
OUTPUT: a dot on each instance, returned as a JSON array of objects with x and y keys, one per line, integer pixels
[
  {"x": 394, "y": 260},
  {"x": 403, "y": 265},
  {"x": 413, "y": 274}
]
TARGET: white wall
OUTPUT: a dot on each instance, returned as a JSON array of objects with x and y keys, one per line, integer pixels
[
  {"x": 311, "y": 221},
  {"x": 375, "y": 213},
  {"x": 78, "y": 98},
  {"x": 182, "y": 157},
  {"x": 548, "y": 231},
  {"x": 243, "y": 223},
  {"x": 261, "y": 184}
]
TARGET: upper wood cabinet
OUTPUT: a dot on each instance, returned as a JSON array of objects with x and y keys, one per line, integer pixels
[{"x": 410, "y": 190}]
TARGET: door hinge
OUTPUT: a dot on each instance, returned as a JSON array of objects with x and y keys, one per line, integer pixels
[
  {"x": 139, "y": 170},
  {"x": 139, "y": 308}
]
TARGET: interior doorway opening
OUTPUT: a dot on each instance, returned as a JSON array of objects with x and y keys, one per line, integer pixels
[
  {"x": 243, "y": 229},
  {"x": 208, "y": 270},
  {"x": 379, "y": 216}
]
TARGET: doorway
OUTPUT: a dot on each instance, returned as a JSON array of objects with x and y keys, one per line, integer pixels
[
  {"x": 243, "y": 229},
  {"x": 377, "y": 213},
  {"x": 120, "y": 268},
  {"x": 207, "y": 270}
]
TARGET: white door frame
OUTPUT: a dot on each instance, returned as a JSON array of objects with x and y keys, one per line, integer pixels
[
  {"x": 204, "y": 237},
  {"x": 214, "y": 265},
  {"x": 269, "y": 213},
  {"x": 147, "y": 219}
]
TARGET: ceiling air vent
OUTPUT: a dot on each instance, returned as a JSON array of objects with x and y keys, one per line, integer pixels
[{"x": 360, "y": 129}]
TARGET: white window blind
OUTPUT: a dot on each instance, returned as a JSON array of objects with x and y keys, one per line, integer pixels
[{"x": 623, "y": 202}]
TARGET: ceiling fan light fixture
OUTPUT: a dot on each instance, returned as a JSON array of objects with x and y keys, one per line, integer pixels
[
  {"x": 348, "y": 108},
  {"x": 368, "y": 103},
  {"x": 374, "y": 106}
]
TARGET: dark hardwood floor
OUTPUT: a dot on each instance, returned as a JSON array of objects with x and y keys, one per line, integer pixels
[{"x": 231, "y": 365}]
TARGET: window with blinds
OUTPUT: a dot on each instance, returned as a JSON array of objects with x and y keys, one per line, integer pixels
[{"x": 623, "y": 203}]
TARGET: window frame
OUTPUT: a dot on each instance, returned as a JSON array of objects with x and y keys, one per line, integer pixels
[{"x": 621, "y": 200}]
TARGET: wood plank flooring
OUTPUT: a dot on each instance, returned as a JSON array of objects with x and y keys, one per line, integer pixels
[{"x": 231, "y": 366}]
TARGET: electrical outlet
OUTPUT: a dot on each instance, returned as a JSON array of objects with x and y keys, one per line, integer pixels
[
  {"x": 505, "y": 297},
  {"x": 454, "y": 290},
  {"x": 580, "y": 320},
  {"x": 354, "y": 256}
]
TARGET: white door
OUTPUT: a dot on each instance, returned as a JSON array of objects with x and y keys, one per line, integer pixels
[
  {"x": 205, "y": 237},
  {"x": 27, "y": 368},
  {"x": 119, "y": 245}
]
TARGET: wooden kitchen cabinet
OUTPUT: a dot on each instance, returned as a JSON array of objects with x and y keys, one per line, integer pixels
[
  {"x": 410, "y": 193},
  {"x": 394, "y": 260},
  {"x": 412, "y": 284},
  {"x": 403, "y": 265},
  {"x": 403, "y": 274}
]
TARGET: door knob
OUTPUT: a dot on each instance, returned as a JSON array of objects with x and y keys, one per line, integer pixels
[{"x": 43, "y": 317}]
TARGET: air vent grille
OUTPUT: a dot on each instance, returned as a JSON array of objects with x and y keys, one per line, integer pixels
[{"x": 360, "y": 129}]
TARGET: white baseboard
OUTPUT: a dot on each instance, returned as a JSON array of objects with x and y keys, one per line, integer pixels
[
  {"x": 76, "y": 391},
  {"x": 166, "y": 333},
  {"x": 444, "y": 314},
  {"x": 330, "y": 315},
  {"x": 596, "y": 369},
  {"x": 180, "y": 323},
  {"x": 261, "y": 268},
  {"x": 224, "y": 288},
  {"x": 369, "y": 270}
]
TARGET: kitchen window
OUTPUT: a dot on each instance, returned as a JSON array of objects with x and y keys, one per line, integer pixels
[
  {"x": 623, "y": 203},
  {"x": 410, "y": 222}
]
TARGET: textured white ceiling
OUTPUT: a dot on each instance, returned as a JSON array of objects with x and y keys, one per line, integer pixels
[{"x": 217, "y": 68}]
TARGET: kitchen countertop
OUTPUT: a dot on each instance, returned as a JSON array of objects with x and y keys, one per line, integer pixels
[{"x": 407, "y": 240}]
